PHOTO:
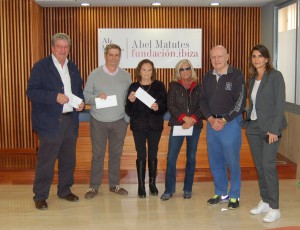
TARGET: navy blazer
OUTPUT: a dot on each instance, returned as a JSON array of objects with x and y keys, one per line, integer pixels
[
  {"x": 43, "y": 86},
  {"x": 270, "y": 102}
]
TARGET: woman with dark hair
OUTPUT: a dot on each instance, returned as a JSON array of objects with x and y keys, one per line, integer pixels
[
  {"x": 184, "y": 107},
  {"x": 146, "y": 123},
  {"x": 264, "y": 123}
]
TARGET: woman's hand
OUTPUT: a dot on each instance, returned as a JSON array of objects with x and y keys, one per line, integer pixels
[
  {"x": 186, "y": 126},
  {"x": 272, "y": 137},
  {"x": 132, "y": 97},
  {"x": 189, "y": 121},
  {"x": 154, "y": 106}
]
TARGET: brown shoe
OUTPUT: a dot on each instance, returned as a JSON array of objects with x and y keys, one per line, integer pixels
[
  {"x": 41, "y": 204},
  {"x": 90, "y": 194},
  {"x": 70, "y": 197},
  {"x": 118, "y": 190}
]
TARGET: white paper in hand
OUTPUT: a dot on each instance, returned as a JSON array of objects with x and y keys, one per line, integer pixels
[
  {"x": 144, "y": 97},
  {"x": 74, "y": 101},
  {"x": 110, "y": 101},
  {"x": 179, "y": 131}
]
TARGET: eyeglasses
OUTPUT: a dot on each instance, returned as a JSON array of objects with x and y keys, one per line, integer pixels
[{"x": 185, "y": 69}]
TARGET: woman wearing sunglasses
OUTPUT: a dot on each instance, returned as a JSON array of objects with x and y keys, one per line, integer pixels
[{"x": 184, "y": 107}]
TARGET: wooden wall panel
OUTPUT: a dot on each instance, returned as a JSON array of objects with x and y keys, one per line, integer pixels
[
  {"x": 18, "y": 21},
  {"x": 236, "y": 28}
]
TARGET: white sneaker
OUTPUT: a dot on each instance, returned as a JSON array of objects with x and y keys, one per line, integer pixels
[
  {"x": 262, "y": 207},
  {"x": 272, "y": 215}
]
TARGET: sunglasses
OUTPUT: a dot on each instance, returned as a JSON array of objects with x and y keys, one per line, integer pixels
[{"x": 184, "y": 69}]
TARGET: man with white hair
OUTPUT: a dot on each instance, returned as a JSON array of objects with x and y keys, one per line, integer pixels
[{"x": 223, "y": 99}]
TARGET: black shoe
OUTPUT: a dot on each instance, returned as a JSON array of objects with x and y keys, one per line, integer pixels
[
  {"x": 233, "y": 203},
  {"x": 141, "y": 171},
  {"x": 153, "y": 189},
  {"x": 216, "y": 199},
  {"x": 152, "y": 165},
  {"x": 142, "y": 191},
  {"x": 41, "y": 204},
  {"x": 166, "y": 196},
  {"x": 70, "y": 197},
  {"x": 91, "y": 193},
  {"x": 187, "y": 195}
]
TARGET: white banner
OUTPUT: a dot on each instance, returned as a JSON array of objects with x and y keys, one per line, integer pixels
[{"x": 165, "y": 47}]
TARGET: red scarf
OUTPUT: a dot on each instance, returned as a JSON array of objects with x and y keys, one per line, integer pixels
[{"x": 187, "y": 84}]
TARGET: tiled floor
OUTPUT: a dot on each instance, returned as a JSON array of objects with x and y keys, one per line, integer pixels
[{"x": 111, "y": 211}]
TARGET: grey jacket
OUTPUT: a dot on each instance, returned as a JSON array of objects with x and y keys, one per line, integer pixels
[{"x": 270, "y": 102}]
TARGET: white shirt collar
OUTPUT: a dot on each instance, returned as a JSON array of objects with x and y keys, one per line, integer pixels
[
  {"x": 216, "y": 73},
  {"x": 56, "y": 62},
  {"x": 110, "y": 73}
]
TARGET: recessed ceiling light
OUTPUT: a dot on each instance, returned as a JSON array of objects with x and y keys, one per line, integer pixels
[
  {"x": 156, "y": 4},
  {"x": 215, "y": 4},
  {"x": 85, "y": 4}
]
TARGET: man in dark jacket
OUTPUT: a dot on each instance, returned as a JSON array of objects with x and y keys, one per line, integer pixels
[
  {"x": 223, "y": 99},
  {"x": 53, "y": 87}
]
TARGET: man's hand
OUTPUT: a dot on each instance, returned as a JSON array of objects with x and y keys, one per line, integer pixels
[
  {"x": 216, "y": 123},
  {"x": 81, "y": 106},
  {"x": 62, "y": 99},
  {"x": 102, "y": 95}
]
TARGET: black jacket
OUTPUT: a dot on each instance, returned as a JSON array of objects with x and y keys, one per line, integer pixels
[
  {"x": 184, "y": 102},
  {"x": 142, "y": 118},
  {"x": 226, "y": 97}
]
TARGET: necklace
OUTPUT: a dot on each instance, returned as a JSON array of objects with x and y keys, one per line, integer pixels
[{"x": 144, "y": 87}]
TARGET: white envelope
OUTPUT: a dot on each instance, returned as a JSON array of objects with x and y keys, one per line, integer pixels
[
  {"x": 179, "y": 131},
  {"x": 110, "y": 101},
  {"x": 144, "y": 97},
  {"x": 74, "y": 101}
]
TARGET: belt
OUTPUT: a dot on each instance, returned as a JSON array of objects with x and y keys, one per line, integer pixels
[
  {"x": 67, "y": 114},
  {"x": 218, "y": 116}
]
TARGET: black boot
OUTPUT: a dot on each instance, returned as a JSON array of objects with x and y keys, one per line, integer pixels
[
  {"x": 152, "y": 164},
  {"x": 141, "y": 171}
]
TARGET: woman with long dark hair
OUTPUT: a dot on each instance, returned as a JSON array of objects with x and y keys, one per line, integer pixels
[{"x": 264, "y": 124}]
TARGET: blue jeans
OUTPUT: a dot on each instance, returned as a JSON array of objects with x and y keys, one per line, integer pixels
[
  {"x": 175, "y": 143},
  {"x": 224, "y": 151}
]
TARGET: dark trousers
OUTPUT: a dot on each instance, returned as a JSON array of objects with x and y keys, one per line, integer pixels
[
  {"x": 264, "y": 156},
  {"x": 152, "y": 138},
  {"x": 103, "y": 133},
  {"x": 62, "y": 147}
]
